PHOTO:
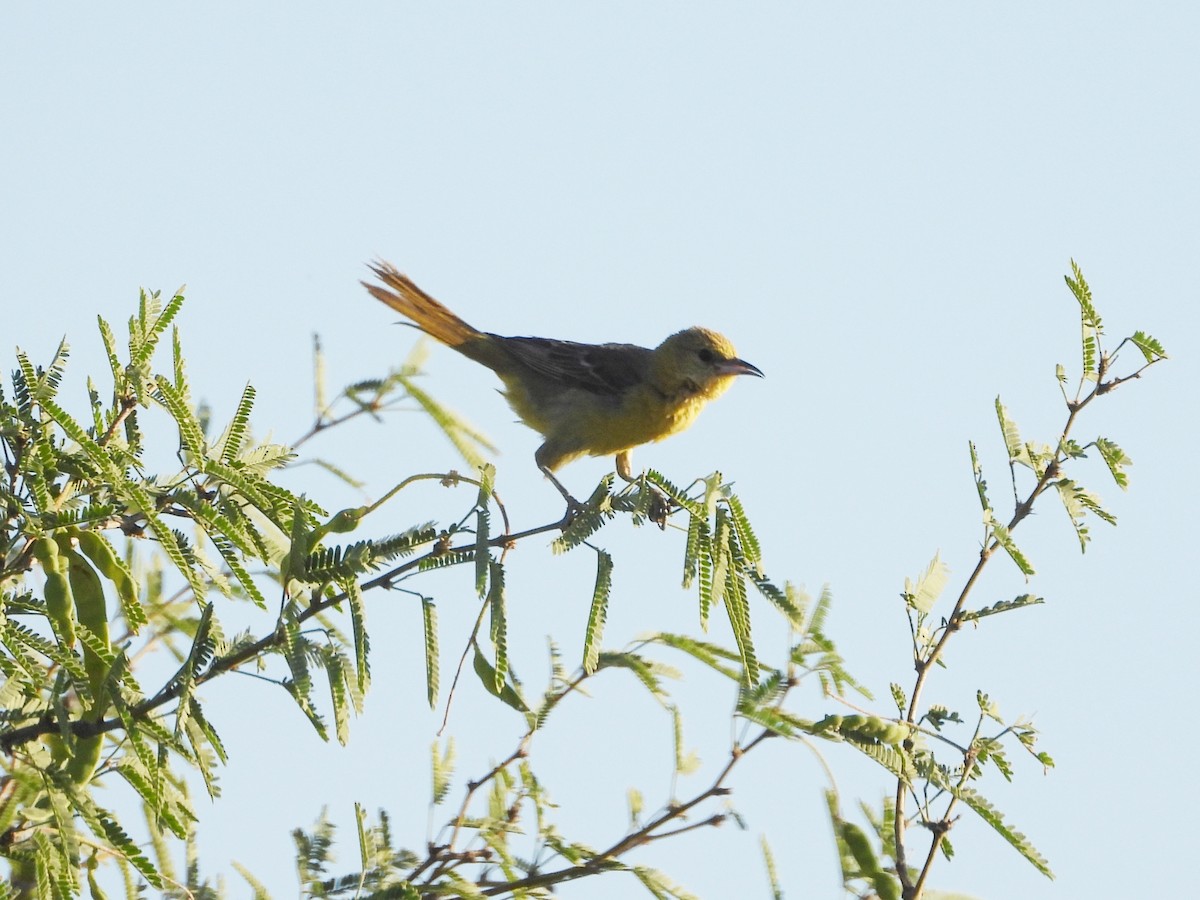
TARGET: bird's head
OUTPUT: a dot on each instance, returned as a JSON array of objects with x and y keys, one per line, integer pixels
[{"x": 698, "y": 361}]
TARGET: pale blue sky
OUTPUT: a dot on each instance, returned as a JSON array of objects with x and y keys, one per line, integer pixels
[{"x": 876, "y": 202}]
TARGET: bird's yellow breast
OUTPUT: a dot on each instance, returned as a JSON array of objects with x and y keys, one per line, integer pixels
[{"x": 580, "y": 423}]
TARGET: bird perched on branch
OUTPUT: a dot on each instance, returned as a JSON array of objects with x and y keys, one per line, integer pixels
[{"x": 584, "y": 399}]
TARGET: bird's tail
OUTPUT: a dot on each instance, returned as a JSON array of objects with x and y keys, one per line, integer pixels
[{"x": 429, "y": 315}]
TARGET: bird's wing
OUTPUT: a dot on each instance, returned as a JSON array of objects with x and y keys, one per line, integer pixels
[{"x": 608, "y": 369}]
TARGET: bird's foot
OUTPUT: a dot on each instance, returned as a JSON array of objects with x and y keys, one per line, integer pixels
[
  {"x": 574, "y": 510},
  {"x": 659, "y": 508}
]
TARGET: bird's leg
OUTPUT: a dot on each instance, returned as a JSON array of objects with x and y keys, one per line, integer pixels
[
  {"x": 624, "y": 469},
  {"x": 574, "y": 507},
  {"x": 660, "y": 505}
]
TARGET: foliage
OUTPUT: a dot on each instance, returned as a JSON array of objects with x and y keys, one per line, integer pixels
[{"x": 106, "y": 563}]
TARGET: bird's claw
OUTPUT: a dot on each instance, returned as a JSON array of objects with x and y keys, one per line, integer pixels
[
  {"x": 659, "y": 508},
  {"x": 574, "y": 510}
]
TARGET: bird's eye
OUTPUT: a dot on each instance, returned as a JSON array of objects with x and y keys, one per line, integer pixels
[{"x": 707, "y": 356}]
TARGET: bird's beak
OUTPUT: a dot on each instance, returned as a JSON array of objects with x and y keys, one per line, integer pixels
[{"x": 738, "y": 367}]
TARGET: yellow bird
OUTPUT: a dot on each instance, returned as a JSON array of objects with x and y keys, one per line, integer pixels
[{"x": 584, "y": 399}]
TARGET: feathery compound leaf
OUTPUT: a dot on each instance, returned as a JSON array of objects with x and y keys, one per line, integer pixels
[
  {"x": 732, "y": 586},
  {"x": 445, "y": 559},
  {"x": 178, "y": 364},
  {"x": 148, "y": 332},
  {"x": 1090, "y": 323},
  {"x": 229, "y": 444},
  {"x": 499, "y": 623},
  {"x": 697, "y": 544},
  {"x": 1000, "y": 607},
  {"x": 466, "y": 440},
  {"x": 79, "y": 435},
  {"x": 337, "y": 672},
  {"x": 1004, "y": 539},
  {"x": 661, "y": 887},
  {"x": 745, "y": 534},
  {"x": 295, "y": 651},
  {"x": 980, "y": 484},
  {"x": 992, "y": 816},
  {"x": 1151, "y": 349},
  {"x": 429, "y": 621},
  {"x": 199, "y": 656},
  {"x": 597, "y": 511},
  {"x": 234, "y": 561},
  {"x": 362, "y": 640},
  {"x": 712, "y": 655},
  {"x": 738, "y": 608},
  {"x": 126, "y": 848},
  {"x": 1012, "y": 437},
  {"x": 340, "y": 564},
  {"x": 110, "y": 350},
  {"x": 1116, "y": 460},
  {"x": 707, "y": 564},
  {"x": 443, "y": 770},
  {"x": 483, "y": 556},
  {"x": 405, "y": 543},
  {"x": 923, "y": 593},
  {"x": 642, "y": 670},
  {"x": 1078, "y": 501},
  {"x": 674, "y": 493},
  {"x": 784, "y": 600},
  {"x": 598, "y": 612}
]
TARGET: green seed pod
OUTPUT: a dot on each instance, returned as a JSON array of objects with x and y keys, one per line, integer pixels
[
  {"x": 80, "y": 765},
  {"x": 860, "y": 848},
  {"x": 896, "y": 733},
  {"x": 345, "y": 521},
  {"x": 96, "y": 548},
  {"x": 60, "y": 604},
  {"x": 853, "y": 723},
  {"x": 875, "y": 727},
  {"x": 91, "y": 611},
  {"x": 829, "y": 723}
]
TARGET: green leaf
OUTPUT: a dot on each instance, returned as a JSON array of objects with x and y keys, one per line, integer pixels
[
  {"x": 1090, "y": 323},
  {"x": 596, "y": 513},
  {"x": 788, "y": 601},
  {"x": 1000, "y": 607},
  {"x": 487, "y": 676},
  {"x": 337, "y": 670},
  {"x": 1016, "y": 839},
  {"x": 712, "y": 655},
  {"x": 499, "y": 624},
  {"x": 769, "y": 862},
  {"x": 922, "y": 593},
  {"x": 598, "y": 612},
  {"x": 110, "y": 351},
  {"x": 1017, "y": 452},
  {"x": 745, "y": 534},
  {"x": 429, "y": 622},
  {"x": 362, "y": 640},
  {"x": 1004, "y": 539},
  {"x": 483, "y": 556},
  {"x": 1078, "y": 501},
  {"x": 645, "y": 672},
  {"x": 659, "y": 886},
  {"x": 696, "y": 546},
  {"x": 1151, "y": 349},
  {"x": 443, "y": 770},
  {"x": 229, "y": 445},
  {"x": 144, "y": 333},
  {"x": 1116, "y": 460},
  {"x": 466, "y": 440}
]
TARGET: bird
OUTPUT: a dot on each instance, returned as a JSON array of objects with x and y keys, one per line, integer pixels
[{"x": 583, "y": 399}]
